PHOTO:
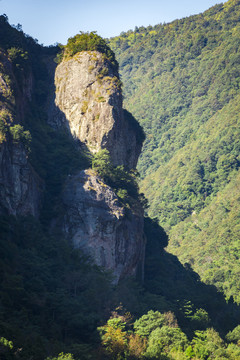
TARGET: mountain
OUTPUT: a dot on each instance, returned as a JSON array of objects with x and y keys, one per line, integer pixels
[
  {"x": 88, "y": 104},
  {"x": 181, "y": 81},
  {"x": 83, "y": 273},
  {"x": 85, "y": 103},
  {"x": 69, "y": 205}
]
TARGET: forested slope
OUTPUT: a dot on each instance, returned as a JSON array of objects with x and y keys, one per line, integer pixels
[
  {"x": 181, "y": 81},
  {"x": 53, "y": 300}
]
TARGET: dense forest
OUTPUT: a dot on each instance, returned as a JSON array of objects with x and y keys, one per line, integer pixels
[
  {"x": 54, "y": 303},
  {"x": 181, "y": 81}
]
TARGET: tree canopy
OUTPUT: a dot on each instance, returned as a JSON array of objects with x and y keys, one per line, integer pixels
[{"x": 86, "y": 41}]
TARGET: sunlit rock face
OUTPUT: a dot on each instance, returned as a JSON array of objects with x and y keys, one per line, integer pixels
[{"x": 89, "y": 103}]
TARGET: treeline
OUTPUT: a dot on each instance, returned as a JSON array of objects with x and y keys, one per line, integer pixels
[{"x": 86, "y": 42}]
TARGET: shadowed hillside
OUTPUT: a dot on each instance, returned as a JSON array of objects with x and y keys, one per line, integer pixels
[{"x": 181, "y": 80}]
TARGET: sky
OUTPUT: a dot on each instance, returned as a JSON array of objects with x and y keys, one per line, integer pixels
[{"x": 54, "y": 21}]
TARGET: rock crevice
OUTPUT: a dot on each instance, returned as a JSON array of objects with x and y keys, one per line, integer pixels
[{"x": 89, "y": 104}]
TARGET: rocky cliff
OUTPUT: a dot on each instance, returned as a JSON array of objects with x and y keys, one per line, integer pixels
[
  {"x": 97, "y": 223},
  {"x": 89, "y": 103},
  {"x": 86, "y": 104},
  {"x": 20, "y": 187}
]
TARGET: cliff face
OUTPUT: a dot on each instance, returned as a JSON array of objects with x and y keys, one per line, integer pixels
[
  {"x": 20, "y": 187},
  {"x": 89, "y": 103},
  {"x": 98, "y": 224}
]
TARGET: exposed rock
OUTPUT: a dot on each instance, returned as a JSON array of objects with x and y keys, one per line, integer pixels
[
  {"x": 98, "y": 224},
  {"x": 20, "y": 187},
  {"x": 89, "y": 103}
]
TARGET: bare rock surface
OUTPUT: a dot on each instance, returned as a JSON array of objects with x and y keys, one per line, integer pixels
[
  {"x": 89, "y": 103},
  {"x": 20, "y": 187},
  {"x": 98, "y": 224}
]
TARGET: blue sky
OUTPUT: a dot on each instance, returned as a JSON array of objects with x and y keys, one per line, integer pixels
[{"x": 52, "y": 21}]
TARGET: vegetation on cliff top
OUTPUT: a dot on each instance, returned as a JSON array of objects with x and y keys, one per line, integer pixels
[{"x": 87, "y": 42}]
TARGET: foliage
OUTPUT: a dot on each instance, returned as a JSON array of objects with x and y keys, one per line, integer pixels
[
  {"x": 160, "y": 341},
  {"x": 20, "y": 61},
  {"x": 6, "y": 343},
  {"x": 3, "y": 130},
  {"x": 20, "y": 135},
  {"x": 123, "y": 182},
  {"x": 7, "y": 351},
  {"x": 15, "y": 132},
  {"x": 195, "y": 304},
  {"x": 208, "y": 344},
  {"x": 52, "y": 298},
  {"x": 149, "y": 322},
  {"x": 118, "y": 341},
  {"x": 114, "y": 340},
  {"x": 135, "y": 126},
  {"x": 89, "y": 42},
  {"x": 182, "y": 81},
  {"x": 164, "y": 339},
  {"x": 101, "y": 163},
  {"x": 234, "y": 335},
  {"x": 50, "y": 294},
  {"x": 62, "y": 356},
  {"x": 216, "y": 260}
]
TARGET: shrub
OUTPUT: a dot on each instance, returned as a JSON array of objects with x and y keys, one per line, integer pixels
[
  {"x": 123, "y": 183},
  {"x": 20, "y": 135},
  {"x": 89, "y": 42}
]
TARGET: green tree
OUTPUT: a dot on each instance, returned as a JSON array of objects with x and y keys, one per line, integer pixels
[
  {"x": 149, "y": 322},
  {"x": 20, "y": 135},
  {"x": 114, "y": 338},
  {"x": 208, "y": 343},
  {"x": 62, "y": 356},
  {"x": 164, "y": 340},
  {"x": 234, "y": 335},
  {"x": 89, "y": 42},
  {"x": 101, "y": 163}
]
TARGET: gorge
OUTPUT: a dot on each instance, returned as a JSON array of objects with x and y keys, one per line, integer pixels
[{"x": 85, "y": 267}]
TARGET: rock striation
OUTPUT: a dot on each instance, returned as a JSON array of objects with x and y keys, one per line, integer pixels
[
  {"x": 20, "y": 186},
  {"x": 97, "y": 223},
  {"x": 89, "y": 103}
]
